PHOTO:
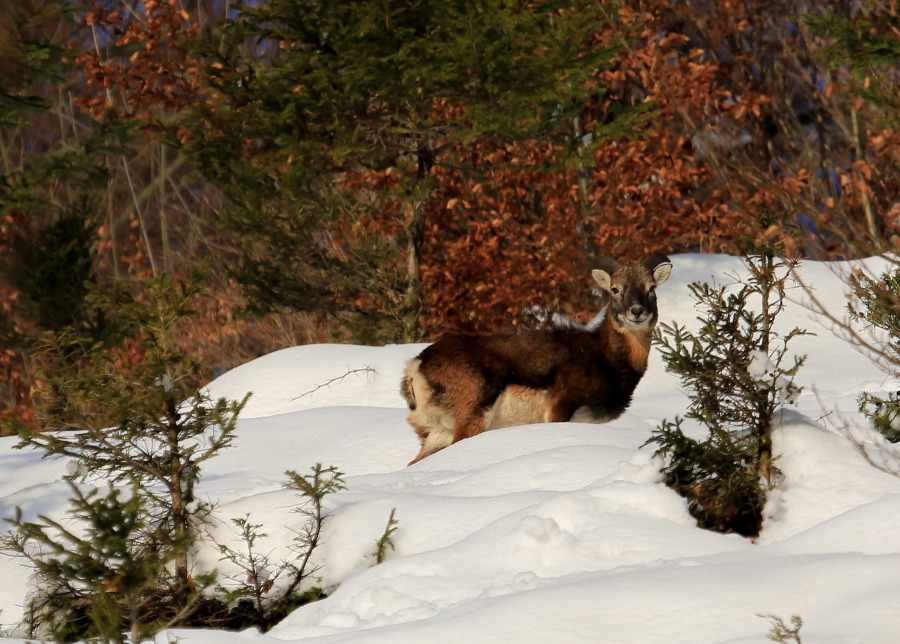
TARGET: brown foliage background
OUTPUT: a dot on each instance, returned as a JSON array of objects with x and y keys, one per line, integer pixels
[{"x": 751, "y": 135}]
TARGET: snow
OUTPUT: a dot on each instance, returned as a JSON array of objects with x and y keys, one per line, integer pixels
[{"x": 542, "y": 533}]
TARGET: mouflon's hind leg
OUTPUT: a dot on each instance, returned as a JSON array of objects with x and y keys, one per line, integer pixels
[
  {"x": 457, "y": 396},
  {"x": 434, "y": 427},
  {"x": 433, "y": 438},
  {"x": 431, "y": 421}
]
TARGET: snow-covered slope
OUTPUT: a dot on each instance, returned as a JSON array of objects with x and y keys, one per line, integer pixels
[{"x": 546, "y": 532}]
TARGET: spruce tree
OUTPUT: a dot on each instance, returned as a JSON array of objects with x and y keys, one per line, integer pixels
[
  {"x": 266, "y": 591},
  {"x": 136, "y": 420},
  {"x": 880, "y": 308},
  {"x": 100, "y": 569},
  {"x": 738, "y": 373},
  {"x": 867, "y": 44},
  {"x": 53, "y": 175}
]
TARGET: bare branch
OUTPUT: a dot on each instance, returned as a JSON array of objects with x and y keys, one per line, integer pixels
[{"x": 338, "y": 379}]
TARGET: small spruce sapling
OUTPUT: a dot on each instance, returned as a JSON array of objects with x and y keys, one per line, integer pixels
[
  {"x": 257, "y": 577},
  {"x": 268, "y": 590},
  {"x": 737, "y": 374},
  {"x": 313, "y": 488},
  {"x": 880, "y": 299},
  {"x": 100, "y": 572},
  {"x": 781, "y": 632},
  {"x": 139, "y": 421},
  {"x": 256, "y": 591},
  {"x": 387, "y": 538}
]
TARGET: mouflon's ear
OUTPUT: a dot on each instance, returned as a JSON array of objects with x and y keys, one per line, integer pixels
[
  {"x": 603, "y": 274},
  {"x": 659, "y": 264},
  {"x": 602, "y": 278}
]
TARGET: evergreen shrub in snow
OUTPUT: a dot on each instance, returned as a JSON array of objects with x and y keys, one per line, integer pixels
[
  {"x": 737, "y": 373},
  {"x": 880, "y": 299},
  {"x": 266, "y": 591},
  {"x": 140, "y": 423}
]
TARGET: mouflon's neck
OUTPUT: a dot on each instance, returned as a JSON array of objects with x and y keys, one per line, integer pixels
[{"x": 632, "y": 347}]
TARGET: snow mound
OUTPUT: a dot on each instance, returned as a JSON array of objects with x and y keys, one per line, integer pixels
[{"x": 540, "y": 533}]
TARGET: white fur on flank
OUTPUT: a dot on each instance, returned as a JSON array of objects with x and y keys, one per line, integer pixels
[{"x": 517, "y": 406}]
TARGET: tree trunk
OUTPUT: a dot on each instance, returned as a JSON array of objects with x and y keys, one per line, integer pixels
[
  {"x": 415, "y": 236},
  {"x": 764, "y": 453},
  {"x": 585, "y": 228},
  {"x": 180, "y": 529},
  {"x": 412, "y": 299},
  {"x": 179, "y": 514},
  {"x": 766, "y": 410},
  {"x": 871, "y": 224}
]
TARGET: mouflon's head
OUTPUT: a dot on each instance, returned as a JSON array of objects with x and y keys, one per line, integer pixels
[{"x": 631, "y": 289}]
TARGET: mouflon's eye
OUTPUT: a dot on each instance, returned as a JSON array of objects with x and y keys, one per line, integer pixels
[{"x": 614, "y": 290}]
